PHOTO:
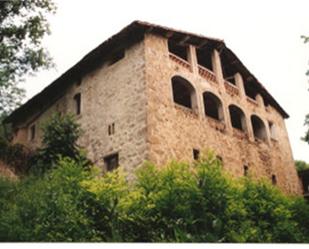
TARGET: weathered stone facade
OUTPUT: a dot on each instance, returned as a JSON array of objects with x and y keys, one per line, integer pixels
[{"x": 136, "y": 97}]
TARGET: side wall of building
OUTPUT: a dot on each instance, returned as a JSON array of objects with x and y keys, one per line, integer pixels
[
  {"x": 111, "y": 95},
  {"x": 174, "y": 131}
]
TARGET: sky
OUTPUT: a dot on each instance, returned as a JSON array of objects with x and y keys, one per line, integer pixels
[{"x": 265, "y": 35}]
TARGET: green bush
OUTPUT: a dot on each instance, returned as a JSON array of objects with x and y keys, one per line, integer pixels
[
  {"x": 177, "y": 203},
  {"x": 48, "y": 208}
]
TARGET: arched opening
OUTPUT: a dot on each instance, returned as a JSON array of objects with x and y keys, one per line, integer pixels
[
  {"x": 183, "y": 92},
  {"x": 258, "y": 127},
  {"x": 238, "y": 118},
  {"x": 213, "y": 106}
]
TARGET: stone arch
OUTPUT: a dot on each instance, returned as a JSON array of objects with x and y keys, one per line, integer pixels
[
  {"x": 259, "y": 129},
  {"x": 183, "y": 92},
  {"x": 213, "y": 106},
  {"x": 238, "y": 118}
]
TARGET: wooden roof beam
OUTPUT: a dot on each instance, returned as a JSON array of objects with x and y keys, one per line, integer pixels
[{"x": 184, "y": 40}]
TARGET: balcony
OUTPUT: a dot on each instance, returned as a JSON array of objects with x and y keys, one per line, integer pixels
[
  {"x": 231, "y": 89},
  {"x": 207, "y": 74},
  {"x": 180, "y": 61},
  {"x": 252, "y": 102}
]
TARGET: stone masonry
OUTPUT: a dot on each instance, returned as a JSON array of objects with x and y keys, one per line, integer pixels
[{"x": 130, "y": 107}]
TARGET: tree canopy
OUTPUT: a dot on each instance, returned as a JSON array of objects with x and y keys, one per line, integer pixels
[
  {"x": 23, "y": 25},
  {"x": 301, "y": 165},
  {"x": 306, "y": 137}
]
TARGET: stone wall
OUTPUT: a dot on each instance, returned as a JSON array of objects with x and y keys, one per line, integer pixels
[
  {"x": 110, "y": 94},
  {"x": 135, "y": 94},
  {"x": 174, "y": 131}
]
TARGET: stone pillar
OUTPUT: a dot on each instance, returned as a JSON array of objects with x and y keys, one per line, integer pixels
[
  {"x": 259, "y": 99},
  {"x": 240, "y": 84},
  {"x": 200, "y": 101},
  {"x": 249, "y": 127},
  {"x": 192, "y": 58},
  {"x": 267, "y": 131},
  {"x": 227, "y": 118},
  {"x": 217, "y": 68}
]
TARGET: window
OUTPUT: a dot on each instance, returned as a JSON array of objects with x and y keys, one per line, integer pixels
[
  {"x": 32, "y": 132},
  {"x": 213, "y": 106},
  {"x": 274, "y": 179},
  {"x": 77, "y": 99},
  {"x": 258, "y": 126},
  {"x": 183, "y": 92},
  {"x": 111, "y": 162},
  {"x": 246, "y": 170},
  {"x": 196, "y": 154},
  {"x": 116, "y": 56},
  {"x": 111, "y": 129},
  {"x": 238, "y": 119},
  {"x": 177, "y": 49}
]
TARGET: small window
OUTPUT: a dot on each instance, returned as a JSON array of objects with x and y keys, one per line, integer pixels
[
  {"x": 116, "y": 56},
  {"x": 32, "y": 132},
  {"x": 111, "y": 129},
  {"x": 220, "y": 159},
  {"x": 274, "y": 179},
  {"x": 246, "y": 170},
  {"x": 111, "y": 162},
  {"x": 77, "y": 99},
  {"x": 196, "y": 154}
]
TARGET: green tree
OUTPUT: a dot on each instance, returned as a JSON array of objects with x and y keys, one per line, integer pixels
[
  {"x": 306, "y": 137},
  {"x": 60, "y": 135},
  {"x": 301, "y": 165},
  {"x": 23, "y": 24}
]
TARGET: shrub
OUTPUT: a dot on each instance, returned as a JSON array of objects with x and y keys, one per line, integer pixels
[
  {"x": 48, "y": 208},
  {"x": 180, "y": 202}
]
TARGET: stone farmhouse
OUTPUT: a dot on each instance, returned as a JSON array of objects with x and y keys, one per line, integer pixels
[{"x": 154, "y": 93}]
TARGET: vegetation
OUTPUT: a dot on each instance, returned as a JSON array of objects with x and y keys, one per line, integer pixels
[
  {"x": 60, "y": 135},
  {"x": 177, "y": 203},
  {"x": 306, "y": 123},
  {"x": 301, "y": 165},
  {"x": 180, "y": 202},
  {"x": 23, "y": 25}
]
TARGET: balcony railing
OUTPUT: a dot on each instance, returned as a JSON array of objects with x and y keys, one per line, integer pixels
[
  {"x": 252, "y": 101},
  {"x": 207, "y": 74},
  {"x": 231, "y": 89},
  {"x": 180, "y": 61}
]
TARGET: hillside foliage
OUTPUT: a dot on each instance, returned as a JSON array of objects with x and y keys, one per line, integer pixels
[{"x": 177, "y": 203}]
